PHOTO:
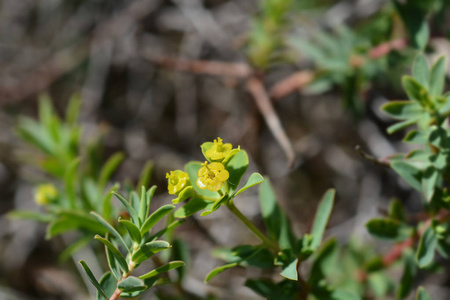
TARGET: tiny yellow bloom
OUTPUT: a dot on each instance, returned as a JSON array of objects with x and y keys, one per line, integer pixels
[
  {"x": 45, "y": 193},
  {"x": 219, "y": 150},
  {"x": 212, "y": 176},
  {"x": 178, "y": 180}
]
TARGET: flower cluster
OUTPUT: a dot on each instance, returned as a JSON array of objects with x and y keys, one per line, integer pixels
[
  {"x": 45, "y": 193},
  {"x": 218, "y": 151},
  {"x": 211, "y": 175},
  {"x": 178, "y": 180}
]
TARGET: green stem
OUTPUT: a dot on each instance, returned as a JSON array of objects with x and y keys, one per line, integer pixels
[{"x": 264, "y": 239}]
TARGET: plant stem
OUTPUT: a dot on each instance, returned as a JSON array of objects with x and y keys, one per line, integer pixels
[{"x": 264, "y": 239}]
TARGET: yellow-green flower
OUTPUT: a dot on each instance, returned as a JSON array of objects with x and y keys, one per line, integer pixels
[
  {"x": 45, "y": 193},
  {"x": 219, "y": 150},
  {"x": 212, "y": 176},
  {"x": 178, "y": 180}
]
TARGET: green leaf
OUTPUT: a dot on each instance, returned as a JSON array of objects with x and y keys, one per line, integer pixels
[
  {"x": 135, "y": 202},
  {"x": 396, "y": 211},
  {"x": 92, "y": 279},
  {"x": 71, "y": 220},
  {"x": 409, "y": 273},
  {"x": 169, "y": 228},
  {"x": 420, "y": 70},
  {"x": 415, "y": 91},
  {"x": 186, "y": 193},
  {"x": 146, "y": 175},
  {"x": 131, "y": 284},
  {"x": 132, "y": 229},
  {"x": 73, "y": 109},
  {"x": 437, "y": 77},
  {"x": 417, "y": 137},
  {"x": 130, "y": 209},
  {"x": 115, "y": 252},
  {"x": 113, "y": 264},
  {"x": 149, "y": 249},
  {"x": 427, "y": 245},
  {"x": 108, "y": 284},
  {"x": 106, "y": 208},
  {"x": 409, "y": 173},
  {"x": 237, "y": 167},
  {"x": 290, "y": 271},
  {"x": 323, "y": 214},
  {"x": 276, "y": 221},
  {"x": 403, "y": 110},
  {"x": 216, "y": 205},
  {"x": 111, "y": 230},
  {"x": 219, "y": 270},
  {"x": 194, "y": 205},
  {"x": 340, "y": 294},
  {"x": 165, "y": 268},
  {"x": 108, "y": 168},
  {"x": 155, "y": 217},
  {"x": 422, "y": 294},
  {"x": 322, "y": 261},
  {"x": 205, "y": 147},
  {"x": 180, "y": 251},
  {"x": 70, "y": 181},
  {"x": 148, "y": 199},
  {"x": 253, "y": 180},
  {"x": 30, "y": 215},
  {"x": 399, "y": 126},
  {"x": 415, "y": 21},
  {"x": 384, "y": 228},
  {"x": 429, "y": 180},
  {"x": 263, "y": 287}
]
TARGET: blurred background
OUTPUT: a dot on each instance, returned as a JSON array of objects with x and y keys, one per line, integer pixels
[{"x": 298, "y": 84}]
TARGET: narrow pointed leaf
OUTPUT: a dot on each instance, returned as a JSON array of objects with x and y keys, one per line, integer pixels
[
  {"x": 165, "y": 268},
  {"x": 146, "y": 175},
  {"x": 130, "y": 209},
  {"x": 111, "y": 230},
  {"x": 194, "y": 205},
  {"x": 219, "y": 270},
  {"x": 403, "y": 110},
  {"x": 30, "y": 215},
  {"x": 92, "y": 279},
  {"x": 148, "y": 199},
  {"x": 155, "y": 217},
  {"x": 108, "y": 284},
  {"x": 149, "y": 249},
  {"x": 409, "y": 273},
  {"x": 323, "y": 214},
  {"x": 115, "y": 252},
  {"x": 132, "y": 229},
  {"x": 109, "y": 167}
]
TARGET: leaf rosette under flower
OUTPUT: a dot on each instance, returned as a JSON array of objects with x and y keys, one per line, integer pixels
[
  {"x": 177, "y": 181},
  {"x": 212, "y": 176}
]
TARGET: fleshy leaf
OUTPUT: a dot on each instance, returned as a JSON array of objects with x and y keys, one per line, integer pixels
[
  {"x": 108, "y": 284},
  {"x": 237, "y": 166},
  {"x": 115, "y": 252},
  {"x": 290, "y": 271},
  {"x": 131, "y": 284},
  {"x": 132, "y": 229},
  {"x": 219, "y": 270},
  {"x": 253, "y": 180},
  {"x": 427, "y": 245},
  {"x": 165, "y": 268},
  {"x": 323, "y": 214},
  {"x": 92, "y": 279},
  {"x": 155, "y": 217},
  {"x": 194, "y": 205}
]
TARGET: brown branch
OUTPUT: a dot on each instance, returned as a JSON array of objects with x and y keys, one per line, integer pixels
[
  {"x": 258, "y": 91},
  {"x": 240, "y": 70},
  {"x": 385, "y": 48},
  {"x": 293, "y": 82}
]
